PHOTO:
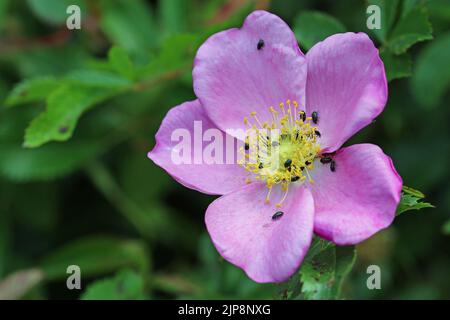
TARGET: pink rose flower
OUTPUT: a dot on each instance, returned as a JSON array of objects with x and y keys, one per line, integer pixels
[{"x": 257, "y": 78}]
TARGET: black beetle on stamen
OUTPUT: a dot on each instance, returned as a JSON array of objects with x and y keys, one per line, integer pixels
[
  {"x": 317, "y": 132},
  {"x": 277, "y": 215},
  {"x": 307, "y": 162},
  {"x": 325, "y": 160},
  {"x": 293, "y": 179},
  {"x": 246, "y": 146},
  {"x": 303, "y": 116},
  {"x": 333, "y": 166},
  {"x": 315, "y": 117},
  {"x": 287, "y": 163},
  {"x": 260, "y": 44},
  {"x": 261, "y": 166}
]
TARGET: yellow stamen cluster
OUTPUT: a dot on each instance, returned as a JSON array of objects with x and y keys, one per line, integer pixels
[{"x": 281, "y": 151}]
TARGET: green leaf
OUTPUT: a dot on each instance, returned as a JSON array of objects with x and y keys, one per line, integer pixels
[
  {"x": 172, "y": 14},
  {"x": 432, "y": 77},
  {"x": 413, "y": 28},
  {"x": 120, "y": 61},
  {"x": 54, "y": 11},
  {"x": 169, "y": 59},
  {"x": 126, "y": 285},
  {"x": 95, "y": 255},
  {"x": 411, "y": 200},
  {"x": 311, "y": 27},
  {"x": 446, "y": 227},
  {"x": 409, "y": 5},
  {"x": 397, "y": 66},
  {"x": 97, "y": 78},
  {"x": 388, "y": 9},
  {"x": 50, "y": 60},
  {"x": 31, "y": 90},
  {"x": 323, "y": 271},
  {"x": 413, "y": 192},
  {"x": 130, "y": 25},
  {"x": 48, "y": 162},
  {"x": 64, "y": 107},
  {"x": 439, "y": 9},
  {"x": 317, "y": 272}
]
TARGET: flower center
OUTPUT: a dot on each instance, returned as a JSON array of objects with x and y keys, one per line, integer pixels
[{"x": 283, "y": 150}]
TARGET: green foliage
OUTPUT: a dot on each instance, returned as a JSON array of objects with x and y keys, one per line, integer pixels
[
  {"x": 397, "y": 35},
  {"x": 413, "y": 27},
  {"x": 388, "y": 12},
  {"x": 32, "y": 90},
  {"x": 120, "y": 61},
  {"x": 173, "y": 15},
  {"x": 64, "y": 107},
  {"x": 52, "y": 161},
  {"x": 412, "y": 200},
  {"x": 95, "y": 255},
  {"x": 54, "y": 11},
  {"x": 403, "y": 24},
  {"x": 397, "y": 66},
  {"x": 125, "y": 285},
  {"x": 323, "y": 272},
  {"x": 432, "y": 76},
  {"x": 311, "y": 27},
  {"x": 129, "y": 24},
  {"x": 86, "y": 79}
]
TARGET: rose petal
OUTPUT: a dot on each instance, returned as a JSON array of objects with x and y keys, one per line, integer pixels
[
  {"x": 243, "y": 231},
  {"x": 359, "y": 198},
  {"x": 346, "y": 85},
  {"x": 232, "y": 78},
  {"x": 207, "y": 178}
]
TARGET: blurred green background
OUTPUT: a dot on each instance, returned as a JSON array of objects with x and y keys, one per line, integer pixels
[{"x": 78, "y": 114}]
